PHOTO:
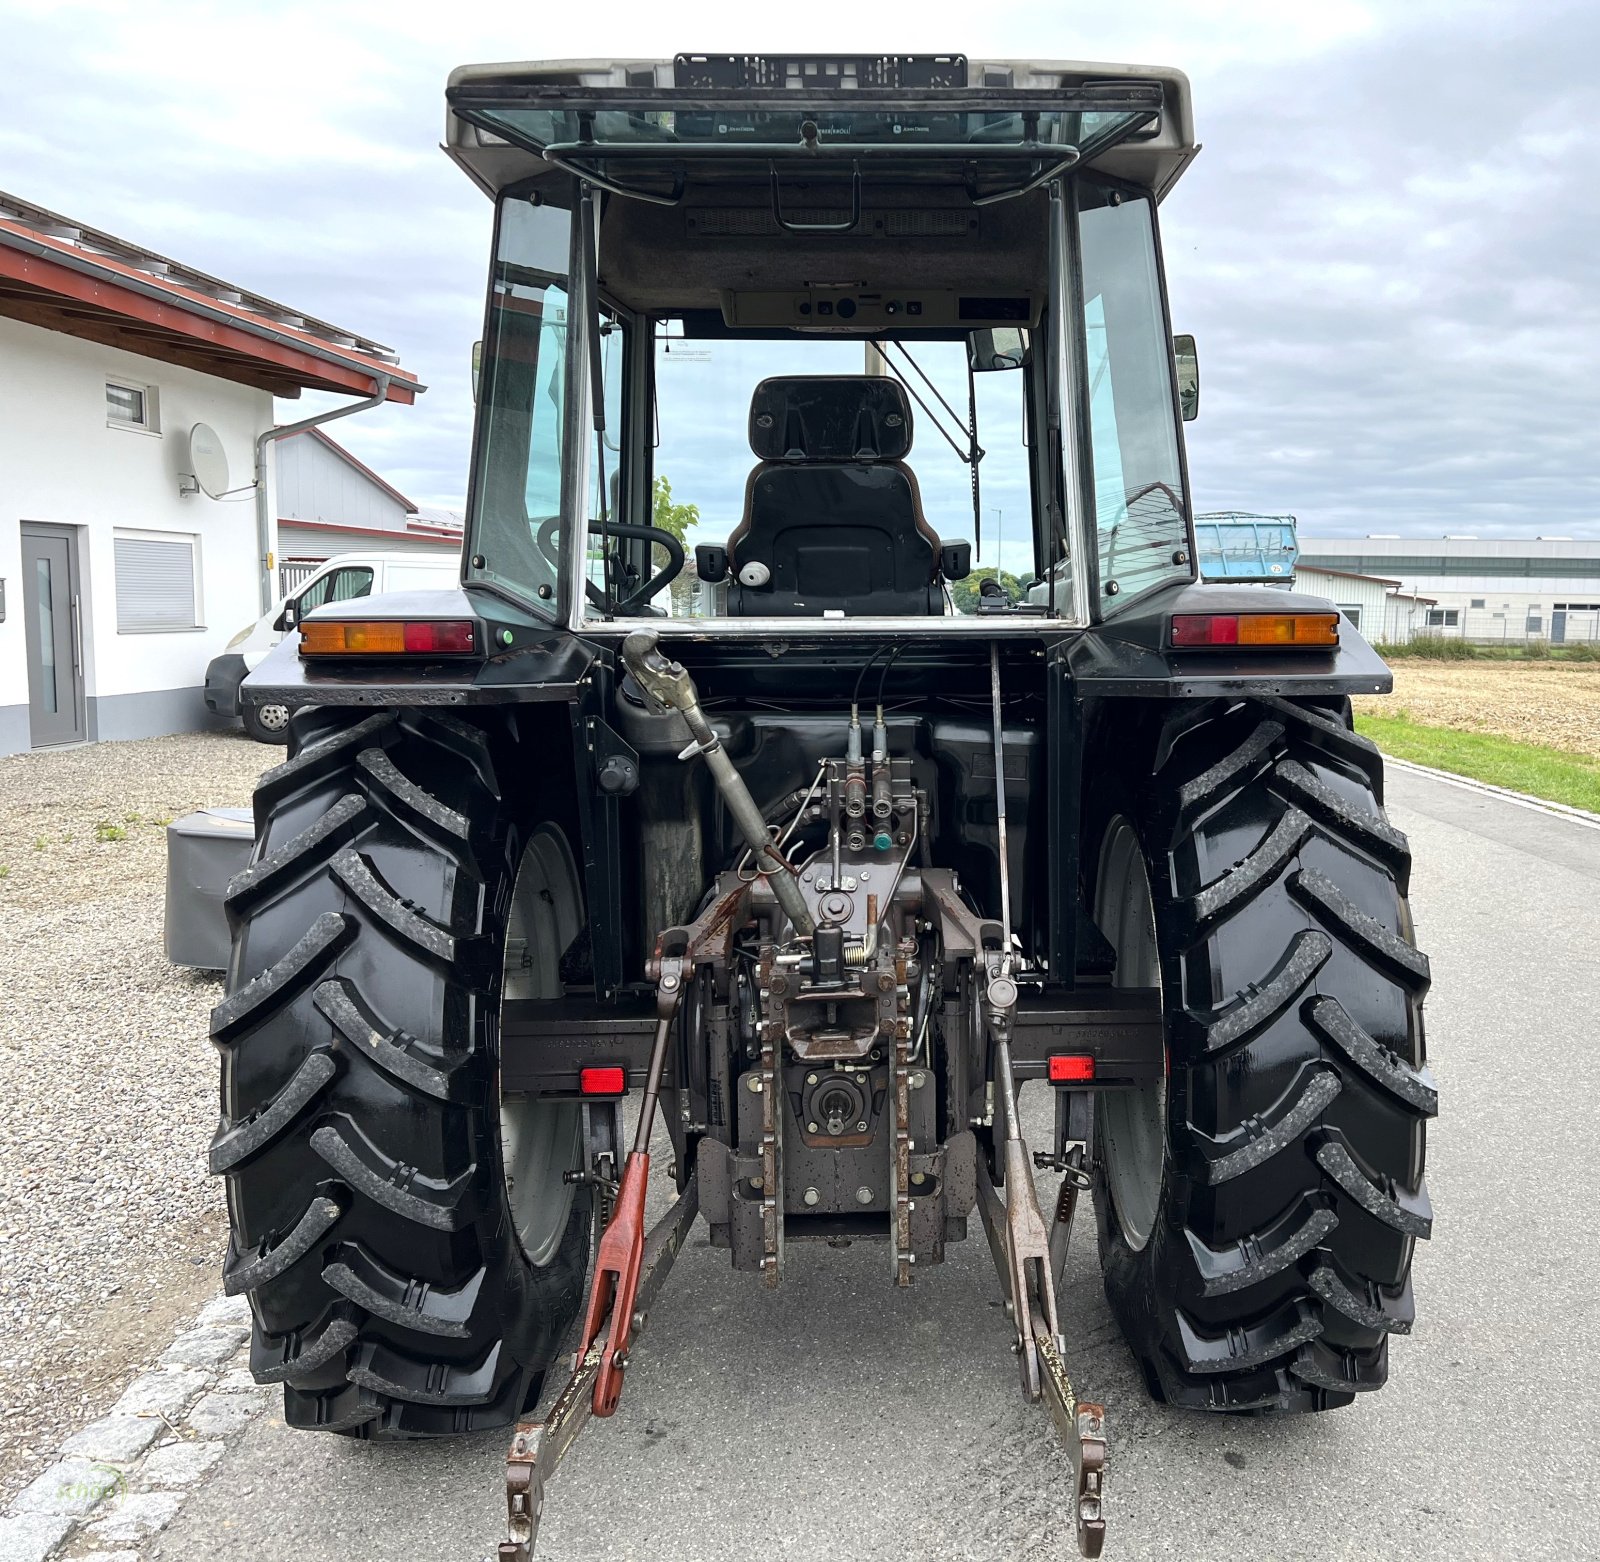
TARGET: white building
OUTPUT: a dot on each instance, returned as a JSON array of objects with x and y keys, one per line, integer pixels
[
  {"x": 118, "y": 582},
  {"x": 330, "y": 502},
  {"x": 1488, "y": 589},
  {"x": 1381, "y": 608}
]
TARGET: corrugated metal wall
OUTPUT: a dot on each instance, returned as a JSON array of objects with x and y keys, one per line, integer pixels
[{"x": 315, "y": 485}]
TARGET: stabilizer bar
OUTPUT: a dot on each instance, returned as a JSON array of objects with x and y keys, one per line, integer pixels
[{"x": 537, "y": 1447}]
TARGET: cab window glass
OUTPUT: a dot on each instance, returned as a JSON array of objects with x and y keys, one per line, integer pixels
[
  {"x": 515, "y": 525},
  {"x": 1140, "y": 503}
]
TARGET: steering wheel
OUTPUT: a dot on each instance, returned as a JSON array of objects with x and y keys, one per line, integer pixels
[{"x": 545, "y": 539}]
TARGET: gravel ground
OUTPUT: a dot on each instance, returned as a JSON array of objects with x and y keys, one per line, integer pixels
[
  {"x": 1554, "y": 703},
  {"x": 109, "y": 1227}
]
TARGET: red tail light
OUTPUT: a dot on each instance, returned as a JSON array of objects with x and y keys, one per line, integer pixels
[
  {"x": 1071, "y": 1068},
  {"x": 609, "y": 1081}
]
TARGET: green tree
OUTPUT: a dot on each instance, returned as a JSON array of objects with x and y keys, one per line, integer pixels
[
  {"x": 669, "y": 516},
  {"x": 676, "y": 518},
  {"x": 965, "y": 591}
]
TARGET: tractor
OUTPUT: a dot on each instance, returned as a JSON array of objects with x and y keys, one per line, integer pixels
[{"x": 725, "y": 814}]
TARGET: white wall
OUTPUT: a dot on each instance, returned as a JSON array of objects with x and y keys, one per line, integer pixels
[
  {"x": 60, "y": 463},
  {"x": 1370, "y": 596}
]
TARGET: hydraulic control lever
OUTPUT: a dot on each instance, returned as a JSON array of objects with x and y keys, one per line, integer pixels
[{"x": 669, "y": 684}]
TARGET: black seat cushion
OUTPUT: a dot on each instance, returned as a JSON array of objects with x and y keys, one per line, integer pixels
[{"x": 835, "y": 537}]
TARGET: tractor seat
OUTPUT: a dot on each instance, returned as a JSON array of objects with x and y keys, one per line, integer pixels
[{"x": 833, "y": 518}]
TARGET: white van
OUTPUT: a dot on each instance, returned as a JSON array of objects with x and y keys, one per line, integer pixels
[{"x": 341, "y": 579}]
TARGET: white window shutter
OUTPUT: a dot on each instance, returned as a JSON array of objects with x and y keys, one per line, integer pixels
[{"x": 155, "y": 583}]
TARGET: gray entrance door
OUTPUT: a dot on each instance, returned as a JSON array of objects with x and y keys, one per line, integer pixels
[{"x": 51, "y": 615}]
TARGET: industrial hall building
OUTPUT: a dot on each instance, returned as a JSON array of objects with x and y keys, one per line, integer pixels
[{"x": 1487, "y": 589}]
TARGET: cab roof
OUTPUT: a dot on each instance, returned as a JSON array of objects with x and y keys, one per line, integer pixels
[{"x": 1153, "y": 156}]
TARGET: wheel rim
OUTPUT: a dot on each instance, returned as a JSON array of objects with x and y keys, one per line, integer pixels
[
  {"x": 273, "y": 718},
  {"x": 540, "y": 1141},
  {"x": 1132, "y": 1122}
]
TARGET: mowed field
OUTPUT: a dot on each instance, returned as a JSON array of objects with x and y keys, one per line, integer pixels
[{"x": 1557, "y": 704}]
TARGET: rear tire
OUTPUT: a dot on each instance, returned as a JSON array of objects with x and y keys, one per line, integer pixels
[
  {"x": 361, "y": 1132},
  {"x": 1258, "y": 1211}
]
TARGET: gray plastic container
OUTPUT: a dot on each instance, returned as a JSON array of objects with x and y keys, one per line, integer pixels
[{"x": 204, "y": 851}]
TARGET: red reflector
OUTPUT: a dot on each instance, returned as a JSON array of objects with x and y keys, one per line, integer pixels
[
  {"x": 1068, "y": 1068},
  {"x": 439, "y": 634},
  {"x": 602, "y": 1081},
  {"x": 1190, "y": 629}
]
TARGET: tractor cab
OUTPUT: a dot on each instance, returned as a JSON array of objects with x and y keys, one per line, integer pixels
[{"x": 773, "y": 339}]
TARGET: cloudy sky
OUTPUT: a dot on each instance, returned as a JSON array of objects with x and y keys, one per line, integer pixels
[{"x": 1388, "y": 248}]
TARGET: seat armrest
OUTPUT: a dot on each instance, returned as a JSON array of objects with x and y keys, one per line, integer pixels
[{"x": 955, "y": 560}]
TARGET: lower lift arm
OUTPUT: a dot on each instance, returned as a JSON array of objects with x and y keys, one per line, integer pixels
[{"x": 1029, "y": 1258}]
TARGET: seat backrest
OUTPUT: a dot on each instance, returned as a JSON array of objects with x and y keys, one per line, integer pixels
[{"x": 832, "y": 519}]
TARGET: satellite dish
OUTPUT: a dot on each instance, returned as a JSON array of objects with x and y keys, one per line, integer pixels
[{"x": 207, "y": 461}]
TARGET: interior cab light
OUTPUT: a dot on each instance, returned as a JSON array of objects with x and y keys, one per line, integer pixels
[
  {"x": 1071, "y": 1068},
  {"x": 605, "y": 1081},
  {"x": 389, "y": 637},
  {"x": 1289, "y": 631}
]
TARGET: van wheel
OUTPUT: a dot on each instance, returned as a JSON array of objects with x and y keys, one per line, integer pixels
[{"x": 266, "y": 723}]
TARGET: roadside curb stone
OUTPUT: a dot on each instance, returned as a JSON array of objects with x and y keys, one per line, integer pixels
[
  {"x": 179, "y": 1464},
  {"x": 70, "y": 1487},
  {"x": 137, "y": 1516},
  {"x": 114, "y": 1439},
  {"x": 205, "y": 1347},
  {"x": 122, "y": 1479},
  {"x": 221, "y": 1310},
  {"x": 221, "y": 1415},
  {"x": 31, "y": 1537},
  {"x": 163, "y": 1392}
]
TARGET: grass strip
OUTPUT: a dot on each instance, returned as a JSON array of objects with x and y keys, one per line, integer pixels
[
  {"x": 1551, "y": 773},
  {"x": 1435, "y": 648}
]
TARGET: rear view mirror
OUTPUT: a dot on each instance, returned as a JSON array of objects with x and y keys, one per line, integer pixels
[
  {"x": 997, "y": 347},
  {"x": 284, "y": 622},
  {"x": 1187, "y": 358},
  {"x": 477, "y": 367}
]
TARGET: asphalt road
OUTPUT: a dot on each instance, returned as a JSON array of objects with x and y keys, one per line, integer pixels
[{"x": 840, "y": 1419}]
